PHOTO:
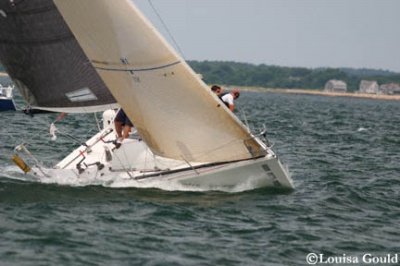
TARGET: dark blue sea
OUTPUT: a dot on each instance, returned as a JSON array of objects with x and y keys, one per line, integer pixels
[{"x": 343, "y": 154}]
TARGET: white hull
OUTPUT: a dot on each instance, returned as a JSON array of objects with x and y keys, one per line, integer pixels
[
  {"x": 237, "y": 176},
  {"x": 257, "y": 173},
  {"x": 133, "y": 163}
]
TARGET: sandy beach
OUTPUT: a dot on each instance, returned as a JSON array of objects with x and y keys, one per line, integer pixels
[{"x": 323, "y": 93}]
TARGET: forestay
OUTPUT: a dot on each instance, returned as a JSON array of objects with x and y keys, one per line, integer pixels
[
  {"x": 173, "y": 110},
  {"x": 45, "y": 61}
]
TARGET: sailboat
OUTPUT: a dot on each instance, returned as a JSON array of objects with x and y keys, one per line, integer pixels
[
  {"x": 6, "y": 98},
  {"x": 89, "y": 56}
]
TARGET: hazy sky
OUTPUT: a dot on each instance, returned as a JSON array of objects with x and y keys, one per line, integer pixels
[{"x": 306, "y": 33}]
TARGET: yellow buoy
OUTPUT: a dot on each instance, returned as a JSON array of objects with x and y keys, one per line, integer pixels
[{"x": 20, "y": 163}]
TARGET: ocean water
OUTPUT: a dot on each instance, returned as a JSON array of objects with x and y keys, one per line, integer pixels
[{"x": 343, "y": 154}]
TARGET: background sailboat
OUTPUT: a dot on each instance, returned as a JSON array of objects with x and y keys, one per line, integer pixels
[
  {"x": 44, "y": 60},
  {"x": 6, "y": 98}
]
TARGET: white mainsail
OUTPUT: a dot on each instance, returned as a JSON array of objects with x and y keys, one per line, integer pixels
[{"x": 173, "y": 110}]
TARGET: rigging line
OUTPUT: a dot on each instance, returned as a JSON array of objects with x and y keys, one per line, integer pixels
[
  {"x": 167, "y": 29},
  {"x": 244, "y": 117},
  {"x": 97, "y": 122},
  {"x": 123, "y": 166},
  {"x": 45, "y": 124},
  {"x": 190, "y": 165}
]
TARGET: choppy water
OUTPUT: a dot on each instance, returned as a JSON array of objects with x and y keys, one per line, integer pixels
[{"x": 343, "y": 153}]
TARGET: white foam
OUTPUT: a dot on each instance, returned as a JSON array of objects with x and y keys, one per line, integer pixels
[
  {"x": 13, "y": 172},
  {"x": 167, "y": 185},
  {"x": 69, "y": 178}
]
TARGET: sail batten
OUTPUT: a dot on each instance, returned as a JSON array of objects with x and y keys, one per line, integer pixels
[
  {"x": 96, "y": 65},
  {"x": 173, "y": 110}
]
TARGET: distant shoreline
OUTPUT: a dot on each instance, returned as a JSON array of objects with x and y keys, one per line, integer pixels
[
  {"x": 323, "y": 93},
  {"x": 309, "y": 92}
]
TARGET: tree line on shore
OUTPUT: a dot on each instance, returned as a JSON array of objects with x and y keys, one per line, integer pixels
[
  {"x": 244, "y": 74},
  {"x": 268, "y": 76}
]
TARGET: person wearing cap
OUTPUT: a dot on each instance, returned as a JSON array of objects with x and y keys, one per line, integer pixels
[{"x": 229, "y": 99}]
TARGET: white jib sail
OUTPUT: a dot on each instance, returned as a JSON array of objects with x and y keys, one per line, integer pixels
[{"x": 174, "y": 111}]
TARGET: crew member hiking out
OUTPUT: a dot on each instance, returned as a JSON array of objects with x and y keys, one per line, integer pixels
[
  {"x": 229, "y": 99},
  {"x": 123, "y": 126},
  {"x": 217, "y": 90}
]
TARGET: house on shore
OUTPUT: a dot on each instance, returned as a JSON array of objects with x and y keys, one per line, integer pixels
[
  {"x": 369, "y": 86},
  {"x": 390, "y": 88},
  {"x": 335, "y": 85}
]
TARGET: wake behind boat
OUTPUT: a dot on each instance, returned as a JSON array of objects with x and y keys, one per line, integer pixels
[{"x": 116, "y": 57}]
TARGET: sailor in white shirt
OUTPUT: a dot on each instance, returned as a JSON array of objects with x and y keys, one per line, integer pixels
[{"x": 229, "y": 98}]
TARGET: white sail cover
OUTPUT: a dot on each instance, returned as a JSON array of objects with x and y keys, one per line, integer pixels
[{"x": 174, "y": 111}]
